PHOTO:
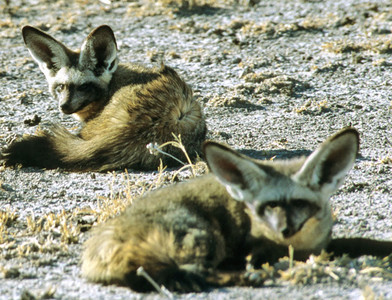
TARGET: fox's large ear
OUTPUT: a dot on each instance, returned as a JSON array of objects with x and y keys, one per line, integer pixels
[
  {"x": 327, "y": 166},
  {"x": 99, "y": 51},
  {"x": 241, "y": 177},
  {"x": 50, "y": 54}
]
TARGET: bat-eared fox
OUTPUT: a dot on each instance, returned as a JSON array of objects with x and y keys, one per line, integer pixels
[
  {"x": 124, "y": 107},
  {"x": 186, "y": 234}
]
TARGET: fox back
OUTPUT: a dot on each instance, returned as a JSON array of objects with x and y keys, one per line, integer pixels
[
  {"x": 183, "y": 234},
  {"x": 124, "y": 107}
]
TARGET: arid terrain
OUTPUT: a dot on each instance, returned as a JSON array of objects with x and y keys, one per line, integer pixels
[{"x": 275, "y": 78}]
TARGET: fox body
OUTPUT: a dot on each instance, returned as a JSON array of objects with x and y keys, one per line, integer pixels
[
  {"x": 124, "y": 107},
  {"x": 183, "y": 233}
]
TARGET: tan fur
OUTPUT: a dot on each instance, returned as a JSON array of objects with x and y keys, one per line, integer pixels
[
  {"x": 124, "y": 107},
  {"x": 166, "y": 229},
  {"x": 184, "y": 234}
]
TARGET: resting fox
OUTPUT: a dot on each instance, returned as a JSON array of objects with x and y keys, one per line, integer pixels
[
  {"x": 184, "y": 233},
  {"x": 124, "y": 108}
]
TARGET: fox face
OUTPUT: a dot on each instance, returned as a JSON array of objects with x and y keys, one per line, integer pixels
[
  {"x": 288, "y": 200},
  {"x": 78, "y": 80}
]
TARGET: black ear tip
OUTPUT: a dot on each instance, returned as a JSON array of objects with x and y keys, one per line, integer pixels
[
  {"x": 27, "y": 29},
  {"x": 30, "y": 31},
  {"x": 103, "y": 32},
  {"x": 103, "y": 29},
  {"x": 346, "y": 132},
  {"x": 351, "y": 130}
]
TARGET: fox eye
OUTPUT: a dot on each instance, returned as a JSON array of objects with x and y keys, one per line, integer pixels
[
  {"x": 85, "y": 87},
  {"x": 272, "y": 204},
  {"x": 304, "y": 205},
  {"x": 299, "y": 203},
  {"x": 260, "y": 210},
  {"x": 59, "y": 88}
]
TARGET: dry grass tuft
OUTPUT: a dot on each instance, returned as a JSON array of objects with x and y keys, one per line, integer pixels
[
  {"x": 270, "y": 29},
  {"x": 321, "y": 269},
  {"x": 270, "y": 83},
  {"x": 177, "y": 142},
  {"x": 227, "y": 101},
  {"x": 48, "y": 293},
  {"x": 118, "y": 201},
  {"x": 60, "y": 224},
  {"x": 53, "y": 232},
  {"x": 386, "y": 160},
  {"x": 7, "y": 218},
  {"x": 378, "y": 45},
  {"x": 171, "y": 7},
  {"x": 313, "y": 107}
]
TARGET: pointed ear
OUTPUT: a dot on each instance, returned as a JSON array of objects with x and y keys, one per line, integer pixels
[
  {"x": 99, "y": 51},
  {"x": 242, "y": 178},
  {"x": 50, "y": 54},
  {"x": 327, "y": 166}
]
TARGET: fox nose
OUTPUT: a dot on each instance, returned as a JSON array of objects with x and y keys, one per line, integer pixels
[
  {"x": 66, "y": 108},
  {"x": 288, "y": 232}
]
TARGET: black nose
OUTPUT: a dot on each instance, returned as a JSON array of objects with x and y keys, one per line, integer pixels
[
  {"x": 66, "y": 108},
  {"x": 288, "y": 232}
]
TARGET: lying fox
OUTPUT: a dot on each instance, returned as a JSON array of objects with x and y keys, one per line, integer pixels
[
  {"x": 183, "y": 233},
  {"x": 124, "y": 108}
]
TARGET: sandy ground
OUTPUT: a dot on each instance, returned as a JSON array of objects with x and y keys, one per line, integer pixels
[{"x": 275, "y": 79}]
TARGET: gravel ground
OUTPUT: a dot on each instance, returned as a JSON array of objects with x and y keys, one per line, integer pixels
[{"x": 275, "y": 79}]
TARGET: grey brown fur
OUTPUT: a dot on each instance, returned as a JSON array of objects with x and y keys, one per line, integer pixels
[
  {"x": 124, "y": 107},
  {"x": 185, "y": 234}
]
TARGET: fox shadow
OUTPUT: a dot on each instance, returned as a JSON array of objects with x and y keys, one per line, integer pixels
[
  {"x": 282, "y": 154},
  {"x": 274, "y": 154}
]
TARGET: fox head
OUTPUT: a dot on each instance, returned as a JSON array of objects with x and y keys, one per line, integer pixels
[
  {"x": 288, "y": 200},
  {"x": 77, "y": 79}
]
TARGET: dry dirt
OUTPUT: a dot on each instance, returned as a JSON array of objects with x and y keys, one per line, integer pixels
[{"x": 275, "y": 79}]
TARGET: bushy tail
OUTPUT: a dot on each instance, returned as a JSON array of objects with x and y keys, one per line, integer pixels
[
  {"x": 109, "y": 259},
  {"x": 35, "y": 150},
  {"x": 57, "y": 148}
]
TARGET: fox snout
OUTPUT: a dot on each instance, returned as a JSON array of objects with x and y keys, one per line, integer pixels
[
  {"x": 288, "y": 218},
  {"x": 64, "y": 94},
  {"x": 66, "y": 107},
  {"x": 73, "y": 98},
  {"x": 277, "y": 219}
]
